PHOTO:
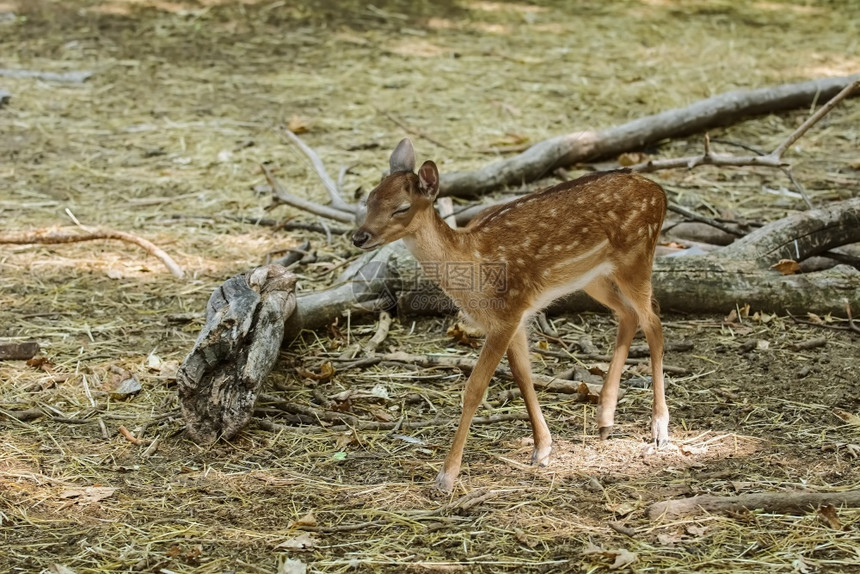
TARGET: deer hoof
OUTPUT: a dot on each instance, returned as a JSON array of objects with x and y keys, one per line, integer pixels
[
  {"x": 444, "y": 482},
  {"x": 605, "y": 432},
  {"x": 540, "y": 457}
]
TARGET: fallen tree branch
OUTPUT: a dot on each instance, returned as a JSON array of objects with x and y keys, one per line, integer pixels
[
  {"x": 543, "y": 157},
  {"x": 331, "y": 187},
  {"x": 281, "y": 195},
  {"x": 53, "y": 237},
  {"x": 781, "y": 502}
]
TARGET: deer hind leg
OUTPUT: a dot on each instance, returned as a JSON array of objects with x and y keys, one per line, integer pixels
[
  {"x": 638, "y": 292},
  {"x": 518, "y": 358},
  {"x": 605, "y": 291}
]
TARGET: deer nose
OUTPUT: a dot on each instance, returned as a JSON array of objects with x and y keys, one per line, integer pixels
[{"x": 360, "y": 238}]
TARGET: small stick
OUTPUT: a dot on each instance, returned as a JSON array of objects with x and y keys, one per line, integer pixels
[
  {"x": 53, "y": 237},
  {"x": 281, "y": 195},
  {"x": 128, "y": 436},
  {"x": 153, "y": 446},
  {"x": 331, "y": 187},
  {"x": 702, "y": 219},
  {"x": 810, "y": 344},
  {"x": 381, "y": 333}
]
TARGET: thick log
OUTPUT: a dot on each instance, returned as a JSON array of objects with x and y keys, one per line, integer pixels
[
  {"x": 220, "y": 378},
  {"x": 564, "y": 150}
]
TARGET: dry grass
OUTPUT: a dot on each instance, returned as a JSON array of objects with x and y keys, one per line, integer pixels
[{"x": 182, "y": 107}]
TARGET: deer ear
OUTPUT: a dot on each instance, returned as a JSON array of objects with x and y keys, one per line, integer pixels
[
  {"x": 428, "y": 179},
  {"x": 403, "y": 157}
]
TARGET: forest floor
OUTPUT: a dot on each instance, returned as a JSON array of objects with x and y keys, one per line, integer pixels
[{"x": 165, "y": 139}]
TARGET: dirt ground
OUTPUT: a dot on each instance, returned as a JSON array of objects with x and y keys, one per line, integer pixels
[{"x": 164, "y": 141}]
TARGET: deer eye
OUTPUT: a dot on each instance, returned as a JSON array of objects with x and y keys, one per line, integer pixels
[{"x": 401, "y": 210}]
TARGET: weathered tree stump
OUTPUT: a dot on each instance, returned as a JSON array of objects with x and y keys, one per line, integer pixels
[{"x": 220, "y": 378}]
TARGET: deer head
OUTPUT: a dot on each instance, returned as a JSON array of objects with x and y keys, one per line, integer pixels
[{"x": 390, "y": 210}]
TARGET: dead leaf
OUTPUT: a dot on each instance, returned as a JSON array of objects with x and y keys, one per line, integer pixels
[
  {"x": 696, "y": 530},
  {"x": 89, "y": 494},
  {"x": 690, "y": 450},
  {"x": 585, "y": 394},
  {"x": 849, "y": 418},
  {"x": 621, "y": 509},
  {"x": 591, "y": 548},
  {"x": 786, "y": 266},
  {"x": 126, "y": 388},
  {"x": 622, "y": 558},
  {"x": 632, "y": 158},
  {"x": 302, "y": 542},
  {"x": 763, "y": 318},
  {"x": 326, "y": 372},
  {"x": 381, "y": 414},
  {"x": 464, "y": 334},
  {"x": 669, "y": 538},
  {"x": 307, "y": 520},
  {"x": 153, "y": 362},
  {"x": 299, "y": 125},
  {"x": 827, "y": 514},
  {"x": 762, "y": 345},
  {"x": 290, "y": 566},
  {"x": 59, "y": 569}
]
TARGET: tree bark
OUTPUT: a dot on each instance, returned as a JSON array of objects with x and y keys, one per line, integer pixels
[
  {"x": 543, "y": 157},
  {"x": 220, "y": 378}
]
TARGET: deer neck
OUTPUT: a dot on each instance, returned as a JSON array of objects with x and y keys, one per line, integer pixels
[{"x": 434, "y": 240}]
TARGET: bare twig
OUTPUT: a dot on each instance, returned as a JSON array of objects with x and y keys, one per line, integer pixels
[
  {"x": 53, "y": 236},
  {"x": 281, "y": 195},
  {"x": 128, "y": 436},
  {"x": 702, "y": 219},
  {"x": 331, "y": 187},
  {"x": 773, "y": 159}
]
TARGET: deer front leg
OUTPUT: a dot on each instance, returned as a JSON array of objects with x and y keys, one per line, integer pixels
[
  {"x": 518, "y": 357},
  {"x": 476, "y": 385}
]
